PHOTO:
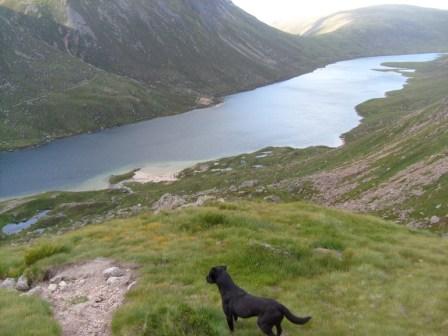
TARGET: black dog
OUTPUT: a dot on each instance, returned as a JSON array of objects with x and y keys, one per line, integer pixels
[{"x": 238, "y": 303}]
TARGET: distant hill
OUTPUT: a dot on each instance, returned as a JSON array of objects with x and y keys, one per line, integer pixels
[{"x": 387, "y": 29}]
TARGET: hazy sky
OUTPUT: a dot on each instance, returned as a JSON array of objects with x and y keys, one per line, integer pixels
[{"x": 277, "y": 10}]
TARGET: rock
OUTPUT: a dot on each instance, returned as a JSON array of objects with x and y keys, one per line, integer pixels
[
  {"x": 248, "y": 184},
  {"x": 36, "y": 291},
  {"x": 23, "y": 284},
  {"x": 115, "y": 272},
  {"x": 52, "y": 287},
  {"x": 203, "y": 199},
  {"x": 273, "y": 199},
  {"x": 435, "y": 220},
  {"x": 327, "y": 252},
  {"x": 113, "y": 280},
  {"x": 168, "y": 202},
  {"x": 9, "y": 283},
  {"x": 99, "y": 299},
  {"x": 260, "y": 190},
  {"x": 63, "y": 285}
]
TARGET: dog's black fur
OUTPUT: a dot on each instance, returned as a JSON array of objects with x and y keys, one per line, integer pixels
[{"x": 238, "y": 303}]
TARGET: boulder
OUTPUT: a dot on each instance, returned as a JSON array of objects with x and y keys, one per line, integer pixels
[
  {"x": 23, "y": 284},
  {"x": 435, "y": 220},
  {"x": 115, "y": 272}
]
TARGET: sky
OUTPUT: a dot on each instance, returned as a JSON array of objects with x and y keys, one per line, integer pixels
[{"x": 273, "y": 11}]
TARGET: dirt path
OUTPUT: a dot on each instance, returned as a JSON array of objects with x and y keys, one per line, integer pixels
[{"x": 85, "y": 296}]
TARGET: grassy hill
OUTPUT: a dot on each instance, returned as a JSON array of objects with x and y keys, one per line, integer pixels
[
  {"x": 381, "y": 30},
  {"x": 354, "y": 274}
]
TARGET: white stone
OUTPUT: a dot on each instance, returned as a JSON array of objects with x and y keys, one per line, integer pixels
[
  {"x": 52, "y": 287},
  {"x": 435, "y": 220}
]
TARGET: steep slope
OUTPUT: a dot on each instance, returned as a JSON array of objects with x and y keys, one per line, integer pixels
[
  {"x": 46, "y": 93},
  {"x": 210, "y": 46},
  {"x": 387, "y": 29}
]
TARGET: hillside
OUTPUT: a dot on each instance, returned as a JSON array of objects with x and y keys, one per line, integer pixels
[
  {"x": 47, "y": 93},
  {"x": 353, "y": 274},
  {"x": 393, "y": 165},
  {"x": 381, "y": 30}
]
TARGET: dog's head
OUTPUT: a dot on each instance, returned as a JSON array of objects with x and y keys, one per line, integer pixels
[{"x": 214, "y": 273}]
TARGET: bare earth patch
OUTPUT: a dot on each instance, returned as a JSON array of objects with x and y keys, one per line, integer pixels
[{"x": 85, "y": 296}]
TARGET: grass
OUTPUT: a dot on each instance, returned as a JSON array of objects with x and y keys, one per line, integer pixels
[
  {"x": 25, "y": 316},
  {"x": 388, "y": 280},
  {"x": 115, "y": 179},
  {"x": 42, "y": 251}
]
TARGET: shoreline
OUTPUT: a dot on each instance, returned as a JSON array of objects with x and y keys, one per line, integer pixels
[
  {"x": 214, "y": 100},
  {"x": 167, "y": 172}
]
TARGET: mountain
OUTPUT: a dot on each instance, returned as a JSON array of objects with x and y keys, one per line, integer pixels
[
  {"x": 74, "y": 66},
  {"x": 387, "y": 29},
  {"x": 210, "y": 46},
  {"x": 182, "y": 49}
]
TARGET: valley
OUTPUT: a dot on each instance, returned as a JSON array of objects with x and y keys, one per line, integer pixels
[{"x": 326, "y": 190}]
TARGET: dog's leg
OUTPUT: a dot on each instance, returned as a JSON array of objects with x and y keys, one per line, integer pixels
[
  {"x": 279, "y": 329},
  {"x": 265, "y": 326},
  {"x": 230, "y": 322}
]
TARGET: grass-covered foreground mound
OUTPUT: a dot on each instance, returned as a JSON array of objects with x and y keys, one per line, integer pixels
[{"x": 355, "y": 275}]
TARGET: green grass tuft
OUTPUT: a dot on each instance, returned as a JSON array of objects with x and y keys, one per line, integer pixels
[{"x": 42, "y": 251}]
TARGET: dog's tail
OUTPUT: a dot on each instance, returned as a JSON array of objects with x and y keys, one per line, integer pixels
[{"x": 294, "y": 319}]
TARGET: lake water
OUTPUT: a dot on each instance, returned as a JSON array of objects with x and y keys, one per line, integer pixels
[
  {"x": 14, "y": 228},
  {"x": 309, "y": 110}
]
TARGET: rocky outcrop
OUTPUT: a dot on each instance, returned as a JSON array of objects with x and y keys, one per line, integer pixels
[{"x": 168, "y": 202}]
